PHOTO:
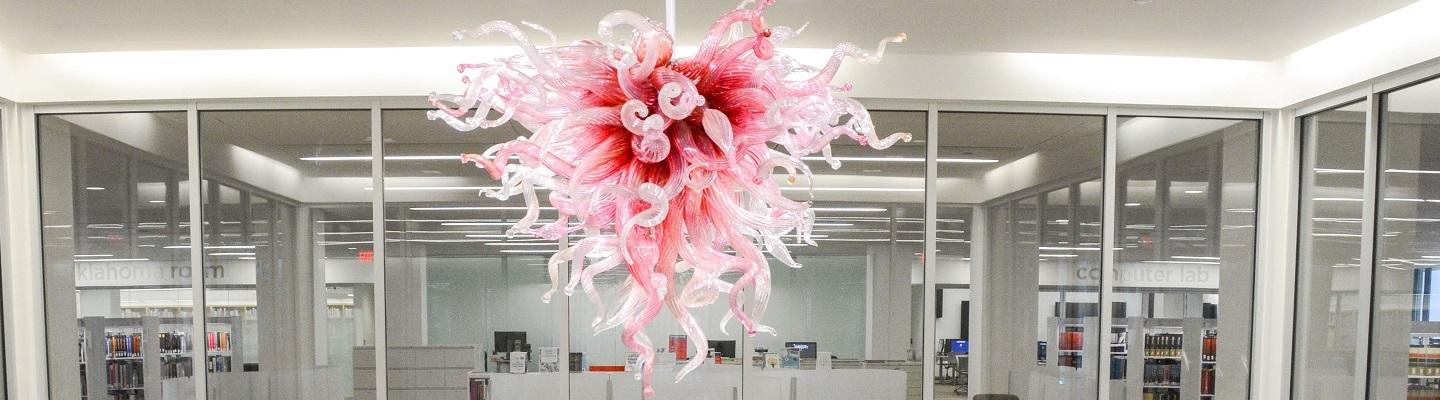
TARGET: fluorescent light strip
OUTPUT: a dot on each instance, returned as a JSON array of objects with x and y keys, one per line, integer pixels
[
  {"x": 1397, "y": 219},
  {"x": 232, "y": 254},
  {"x": 1411, "y": 171},
  {"x": 552, "y": 244},
  {"x": 94, "y": 255},
  {"x": 436, "y": 188},
  {"x": 387, "y": 158},
  {"x": 466, "y": 208},
  {"x": 529, "y": 251},
  {"x": 1060, "y": 255},
  {"x": 1180, "y": 262},
  {"x": 112, "y": 259},
  {"x": 1338, "y": 171},
  {"x": 1337, "y": 199},
  {"x": 1195, "y": 258},
  {"x": 905, "y": 159},
  {"x": 212, "y": 247},
  {"x": 848, "y": 209},
  {"x": 1070, "y": 248},
  {"x": 850, "y": 189},
  {"x": 443, "y": 240}
]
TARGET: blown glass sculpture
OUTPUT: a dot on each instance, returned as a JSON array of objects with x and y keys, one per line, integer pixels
[{"x": 664, "y": 166}]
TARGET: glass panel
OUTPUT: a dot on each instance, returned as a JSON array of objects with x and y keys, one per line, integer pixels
[
  {"x": 1186, "y": 251},
  {"x": 460, "y": 294},
  {"x": 1328, "y": 270},
  {"x": 287, "y": 253},
  {"x": 117, "y": 261},
  {"x": 953, "y": 260},
  {"x": 1038, "y": 176},
  {"x": 857, "y": 297},
  {"x": 1405, "y": 339}
]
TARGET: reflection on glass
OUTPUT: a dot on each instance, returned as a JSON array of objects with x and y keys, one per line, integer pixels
[
  {"x": 461, "y": 294},
  {"x": 117, "y": 261},
  {"x": 858, "y": 298},
  {"x": 953, "y": 260},
  {"x": 1405, "y": 338},
  {"x": 1038, "y": 179},
  {"x": 285, "y": 250},
  {"x": 1186, "y": 252},
  {"x": 1328, "y": 271}
]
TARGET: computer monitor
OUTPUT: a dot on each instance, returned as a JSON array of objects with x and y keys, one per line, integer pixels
[
  {"x": 726, "y": 348},
  {"x": 506, "y": 342},
  {"x": 956, "y": 346},
  {"x": 807, "y": 349}
]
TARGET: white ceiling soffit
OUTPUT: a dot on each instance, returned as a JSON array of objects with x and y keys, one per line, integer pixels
[
  {"x": 999, "y": 72},
  {"x": 1224, "y": 29}
]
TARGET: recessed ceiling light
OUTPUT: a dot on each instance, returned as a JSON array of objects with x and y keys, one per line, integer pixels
[{"x": 1194, "y": 191}]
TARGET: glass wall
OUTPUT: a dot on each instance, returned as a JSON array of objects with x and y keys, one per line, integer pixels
[
  {"x": 289, "y": 263},
  {"x": 857, "y": 297},
  {"x": 1038, "y": 179},
  {"x": 1405, "y": 338},
  {"x": 460, "y": 293},
  {"x": 954, "y": 299},
  {"x": 289, "y": 273},
  {"x": 116, "y": 255},
  {"x": 1328, "y": 272},
  {"x": 1185, "y": 252}
]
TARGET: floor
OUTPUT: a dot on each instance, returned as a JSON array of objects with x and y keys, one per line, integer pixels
[{"x": 947, "y": 392}]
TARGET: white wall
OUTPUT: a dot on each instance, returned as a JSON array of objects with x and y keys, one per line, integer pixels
[{"x": 8, "y": 59}]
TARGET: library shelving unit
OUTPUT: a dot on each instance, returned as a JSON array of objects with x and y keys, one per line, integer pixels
[
  {"x": 1423, "y": 375},
  {"x": 127, "y": 358},
  {"x": 1165, "y": 359}
]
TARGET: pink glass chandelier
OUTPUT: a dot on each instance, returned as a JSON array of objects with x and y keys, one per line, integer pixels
[{"x": 663, "y": 166}]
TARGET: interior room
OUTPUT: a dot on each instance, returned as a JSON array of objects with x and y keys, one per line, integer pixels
[{"x": 1100, "y": 199}]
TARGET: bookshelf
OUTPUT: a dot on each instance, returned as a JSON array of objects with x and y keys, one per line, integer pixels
[
  {"x": 1067, "y": 342},
  {"x": 127, "y": 358},
  {"x": 1423, "y": 367},
  {"x": 1166, "y": 359}
]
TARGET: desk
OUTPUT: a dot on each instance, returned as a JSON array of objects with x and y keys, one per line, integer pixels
[{"x": 712, "y": 382}]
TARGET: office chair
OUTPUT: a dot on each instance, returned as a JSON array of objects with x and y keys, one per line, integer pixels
[{"x": 995, "y": 397}]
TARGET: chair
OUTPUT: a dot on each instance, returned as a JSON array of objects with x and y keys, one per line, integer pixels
[
  {"x": 995, "y": 397},
  {"x": 961, "y": 366}
]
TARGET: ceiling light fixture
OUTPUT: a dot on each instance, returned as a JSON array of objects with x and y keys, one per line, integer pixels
[
  {"x": 905, "y": 160},
  {"x": 387, "y": 158},
  {"x": 435, "y": 188},
  {"x": 851, "y": 189},
  {"x": 467, "y": 208},
  {"x": 848, "y": 209}
]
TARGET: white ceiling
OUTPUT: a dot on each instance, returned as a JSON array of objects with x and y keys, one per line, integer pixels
[{"x": 1230, "y": 29}]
